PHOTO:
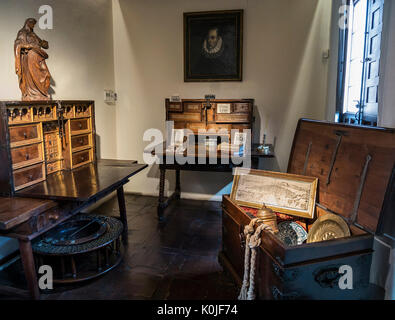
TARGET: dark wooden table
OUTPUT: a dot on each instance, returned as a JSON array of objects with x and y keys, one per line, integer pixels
[
  {"x": 202, "y": 162},
  {"x": 41, "y": 207}
]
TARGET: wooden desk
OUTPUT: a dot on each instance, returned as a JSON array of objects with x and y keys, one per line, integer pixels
[
  {"x": 58, "y": 198},
  {"x": 81, "y": 184},
  {"x": 203, "y": 162}
]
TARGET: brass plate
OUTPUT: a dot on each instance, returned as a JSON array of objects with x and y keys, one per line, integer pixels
[{"x": 328, "y": 227}]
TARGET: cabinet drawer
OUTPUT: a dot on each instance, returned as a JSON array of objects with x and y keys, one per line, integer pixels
[
  {"x": 241, "y": 107},
  {"x": 192, "y": 107},
  {"x": 232, "y": 118},
  {"x": 23, "y": 156},
  {"x": 185, "y": 116},
  {"x": 80, "y": 158},
  {"x": 79, "y": 125},
  {"x": 49, "y": 217},
  {"x": 179, "y": 125},
  {"x": 195, "y": 127},
  {"x": 175, "y": 106},
  {"x": 28, "y": 176},
  {"x": 54, "y": 167},
  {"x": 52, "y": 146},
  {"x": 78, "y": 142},
  {"x": 220, "y": 128},
  {"x": 241, "y": 127},
  {"x": 22, "y": 135}
]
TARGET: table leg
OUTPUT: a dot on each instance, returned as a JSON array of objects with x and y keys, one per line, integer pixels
[
  {"x": 122, "y": 212},
  {"x": 178, "y": 185},
  {"x": 161, "y": 203},
  {"x": 29, "y": 268}
]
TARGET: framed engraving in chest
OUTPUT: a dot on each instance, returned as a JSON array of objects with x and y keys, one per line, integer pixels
[{"x": 284, "y": 193}]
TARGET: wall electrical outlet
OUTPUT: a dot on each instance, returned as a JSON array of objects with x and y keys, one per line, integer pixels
[{"x": 110, "y": 96}]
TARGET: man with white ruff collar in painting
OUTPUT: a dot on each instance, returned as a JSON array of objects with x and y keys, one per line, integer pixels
[{"x": 213, "y": 55}]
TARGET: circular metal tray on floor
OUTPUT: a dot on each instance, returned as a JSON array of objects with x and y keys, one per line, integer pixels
[
  {"x": 47, "y": 245},
  {"x": 80, "y": 249}
]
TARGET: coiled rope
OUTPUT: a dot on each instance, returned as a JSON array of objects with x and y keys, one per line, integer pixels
[{"x": 253, "y": 241}]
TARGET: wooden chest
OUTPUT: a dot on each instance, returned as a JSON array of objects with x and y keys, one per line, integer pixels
[
  {"x": 43, "y": 137},
  {"x": 355, "y": 168}
]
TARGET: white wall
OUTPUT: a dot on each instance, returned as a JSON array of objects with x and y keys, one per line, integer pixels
[
  {"x": 283, "y": 72},
  {"x": 80, "y": 55}
]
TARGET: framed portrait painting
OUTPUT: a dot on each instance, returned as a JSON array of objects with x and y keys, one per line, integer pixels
[{"x": 213, "y": 46}]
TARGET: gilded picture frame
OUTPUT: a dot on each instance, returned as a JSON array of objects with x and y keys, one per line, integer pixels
[
  {"x": 282, "y": 192},
  {"x": 213, "y": 46}
]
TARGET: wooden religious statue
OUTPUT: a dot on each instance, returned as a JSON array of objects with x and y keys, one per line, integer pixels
[{"x": 30, "y": 66}]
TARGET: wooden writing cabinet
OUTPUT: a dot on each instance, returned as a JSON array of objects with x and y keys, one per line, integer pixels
[
  {"x": 41, "y": 138},
  {"x": 355, "y": 169},
  {"x": 196, "y": 114},
  {"x": 48, "y": 152}
]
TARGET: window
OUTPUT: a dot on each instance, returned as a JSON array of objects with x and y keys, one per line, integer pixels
[{"x": 359, "y": 63}]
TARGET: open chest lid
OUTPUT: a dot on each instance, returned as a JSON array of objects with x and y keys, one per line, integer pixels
[{"x": 355, "y": 168}]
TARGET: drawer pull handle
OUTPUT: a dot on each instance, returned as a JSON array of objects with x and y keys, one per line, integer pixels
[
  {"x": 80, "y": 125},
  {"x": 25, "y": 135},
  {"x": 30, "y": 177},
  {"x": 27, "y": 156},
  {"x": 53, "y": 217},
  {"x": 81, "y": 141}
]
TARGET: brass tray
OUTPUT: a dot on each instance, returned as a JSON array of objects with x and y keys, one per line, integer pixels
[{"x": 327, "y": 227}]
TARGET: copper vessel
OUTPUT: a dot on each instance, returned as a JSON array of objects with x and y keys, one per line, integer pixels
[{"x": 268, "y": 217}]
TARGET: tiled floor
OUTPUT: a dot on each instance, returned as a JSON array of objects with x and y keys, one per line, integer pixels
[{"x": 176, "y": 259}]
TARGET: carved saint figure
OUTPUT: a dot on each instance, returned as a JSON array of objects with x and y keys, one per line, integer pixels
[{"x": 30, "y": 66}]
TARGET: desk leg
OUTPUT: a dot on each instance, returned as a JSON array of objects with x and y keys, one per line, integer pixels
[
  {"x": 178, "y": 185},
  {"x": 122, "y": 212},
  {"x": 161, "y": 203},
  {"x": 29, "y": 268}
]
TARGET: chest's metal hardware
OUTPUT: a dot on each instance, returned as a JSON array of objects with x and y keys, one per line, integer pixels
[
  {"x": 278, "y": 295},
  {"x": 334, "y": 155},
  {"x": 360, "y": 189},
  {"x": 279, "y": 260},
  {"x": 306, "y": 161},
  {"x": 290, "y": 275},
  {"x": 327, "y": 278}
]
